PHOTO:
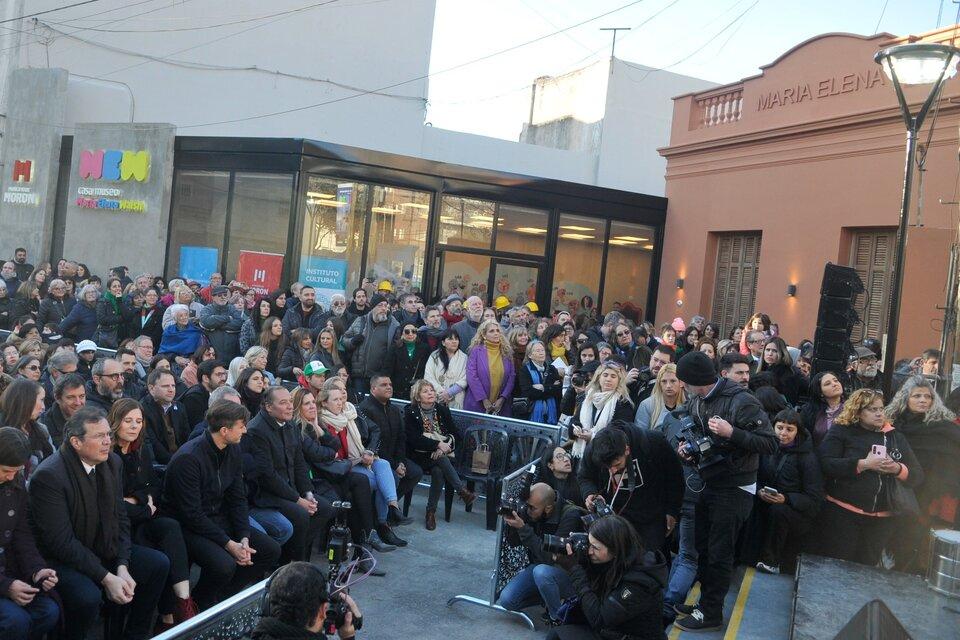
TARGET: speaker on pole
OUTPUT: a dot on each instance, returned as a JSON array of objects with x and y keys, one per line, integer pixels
[{"x": 836, "y": 318}]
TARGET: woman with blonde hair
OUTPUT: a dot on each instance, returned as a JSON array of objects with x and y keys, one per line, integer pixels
[
  {"x": 490, "y": 372},
  {"x": 518, "y": 338},
  {"x": 666, "y": 396},
  {"x": 257, "y": 357},
  {"x": 607, "y": 400},
  {"x": 862, "y": 456}
]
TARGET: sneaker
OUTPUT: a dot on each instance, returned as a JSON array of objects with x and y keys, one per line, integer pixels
[
  {"x": 387, "y": 535},
  {"x": 684, "y": 609},
  {"x": 696, "y": 622},
  {"x": 396, "y": 518},
  {"x": 375, "y": 543},
  {"x": 548, "y": 621},
  {"x": 768, "y": 568}
]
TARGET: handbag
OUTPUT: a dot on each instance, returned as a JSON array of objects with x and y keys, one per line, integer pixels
[
  {"x": 439, "y": 437},
  {"x": 107, "y": 339},
  {"x": 901, "y": 499},
  {"x": 522, "y": 407},
  {"x": 333, "y": 470},
  {"x": 480, "y": 463}
]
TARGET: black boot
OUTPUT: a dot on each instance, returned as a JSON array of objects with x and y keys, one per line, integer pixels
[
  {"x": 395, "y": 517},
  {"x": 388, "y": 536}
]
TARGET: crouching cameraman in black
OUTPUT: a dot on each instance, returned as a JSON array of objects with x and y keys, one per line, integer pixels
[
  {"x": 297, "y": 605},
  {"x": 619, "y": 585},
  {"x": 541, "y": 582},
  {"x": 637, "y": 474},
  {"x": 725, "y": 432}
]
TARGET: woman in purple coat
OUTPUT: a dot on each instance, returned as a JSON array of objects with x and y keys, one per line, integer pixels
[{"x": 490, "y": 374}]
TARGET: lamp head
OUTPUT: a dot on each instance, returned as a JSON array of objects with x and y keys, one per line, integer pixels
[{"x": 918, "y": 63}]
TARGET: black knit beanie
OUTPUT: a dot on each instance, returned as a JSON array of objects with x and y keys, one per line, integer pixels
[{"x": 696, "y": 368}]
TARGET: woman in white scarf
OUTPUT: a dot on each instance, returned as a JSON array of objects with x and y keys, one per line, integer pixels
[
  {"x": 339, "y": 418},
  {"x": 607, "y": 401},
  {"x": 446, "y": 370}
]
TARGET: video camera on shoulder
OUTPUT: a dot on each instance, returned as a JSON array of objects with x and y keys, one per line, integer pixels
[{"x": 698, "y": 443}]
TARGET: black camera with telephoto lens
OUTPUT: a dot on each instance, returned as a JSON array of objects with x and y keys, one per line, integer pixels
[
  {"x": 579, "y": 543},
  {"x": 509, "y": 505}
]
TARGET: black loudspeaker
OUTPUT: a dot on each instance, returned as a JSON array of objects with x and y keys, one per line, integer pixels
[
  {"x": 836, "y": 318},
  {"x": 840, "y": 281}
]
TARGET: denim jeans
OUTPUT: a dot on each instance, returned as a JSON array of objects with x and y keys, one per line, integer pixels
[
  {"x": 272, "y": 523},
  {"x": 32, "y": 621},
  {"x": 381, "y": 480},
  {"x": 537, "y": 584},
  {"x": 683, "y": 573}
]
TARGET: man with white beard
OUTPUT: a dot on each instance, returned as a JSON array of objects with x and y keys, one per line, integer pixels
[
  {"x": 865, "y": 373},
  {"x": 367, "y": 342},
  {"x": 467, "y": 328}
]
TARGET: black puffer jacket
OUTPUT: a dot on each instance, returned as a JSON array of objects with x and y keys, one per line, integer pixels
[
  {"x": 405, "y": 369},
  {"x": 794, "y": 472},
  {"x": 844, "y": 446},
  {"x": 634, "y": 607},
  {"x": 752, "y": 433},
  {"x": 54, "y": 310}
]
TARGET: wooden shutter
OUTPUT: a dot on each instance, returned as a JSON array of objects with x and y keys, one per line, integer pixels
[
  {"x": 735, "y": 285},
  {"x": 872, "y": 256}
]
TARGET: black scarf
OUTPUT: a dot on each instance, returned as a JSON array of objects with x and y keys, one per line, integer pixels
[
  {"x": 251, "y": 400},
  {"x": 94, "y": 514}
]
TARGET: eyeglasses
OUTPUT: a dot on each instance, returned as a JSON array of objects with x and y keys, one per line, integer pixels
[
  {"x": 409, "y": 332},
  {"x": 33, "y": 367},
  {"x": 563, "y": 455},
  {"x": 339, "y": 304},
  {"x": 621, "y": 334},
  {"x": 755, "y": 341},
  {"x": 112, "y": 376}
]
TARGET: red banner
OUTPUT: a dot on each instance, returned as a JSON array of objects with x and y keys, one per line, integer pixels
[{"x": 260, "y": 271}]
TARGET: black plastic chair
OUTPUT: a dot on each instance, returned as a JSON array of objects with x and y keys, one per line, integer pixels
[
  {"x": 498, "y": 440},
  {"x": 448, "y": 496},
  {"x": 525, "y": 450}
]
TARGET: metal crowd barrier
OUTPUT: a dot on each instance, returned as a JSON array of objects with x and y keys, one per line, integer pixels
[
  {"x": 509, "y": 559},
  {"x": 233, "y": 618}
]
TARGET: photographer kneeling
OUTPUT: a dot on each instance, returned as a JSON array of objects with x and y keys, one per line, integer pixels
[
  {"x": 297, "y": 606},
  {"x": 541, "y": 582},
  {"x": 618, "y": 582}
]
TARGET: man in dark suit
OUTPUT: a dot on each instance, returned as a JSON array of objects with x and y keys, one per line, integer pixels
[
  {"x": 76, "y": 499},
  {"x": 203, "y": 489},
  {"x": 167, "y": 424},
  {"x": 278, "y": 475}
]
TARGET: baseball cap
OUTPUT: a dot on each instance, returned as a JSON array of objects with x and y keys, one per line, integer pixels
[{"x": 314, "y": 367}]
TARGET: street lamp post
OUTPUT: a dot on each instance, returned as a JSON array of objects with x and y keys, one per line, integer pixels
[{"x": 910, "y": 64}]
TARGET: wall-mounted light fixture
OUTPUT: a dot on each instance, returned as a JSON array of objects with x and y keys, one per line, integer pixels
[
  {"x": 679, "y": 283},
  {"x": 792, "y": 290}
]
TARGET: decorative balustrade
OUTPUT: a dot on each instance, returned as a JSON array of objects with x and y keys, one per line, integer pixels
[{"x": 717, "y": 109}]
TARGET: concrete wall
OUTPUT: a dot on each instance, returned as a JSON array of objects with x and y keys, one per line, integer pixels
[
  {"x": 637, "y": 123},
  {"x": 502, "y": 155},
  {"x": 107, "y": 237},
  {"x": 364, "y": 45},
  {"x": 36, "y": 103}
]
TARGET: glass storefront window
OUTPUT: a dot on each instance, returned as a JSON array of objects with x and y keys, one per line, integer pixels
[
  {"x": 332, "y": 239},
  {"x": 629, "y": 260},
  {"x": 197, "y": 221},
  {"x": 396, "y": 247},
  {"x": 466, "y": 222},
  {"x": 259, "y": 219},
  {"x": 521, "y": 230},
  {"x": 576, "y": 271}
]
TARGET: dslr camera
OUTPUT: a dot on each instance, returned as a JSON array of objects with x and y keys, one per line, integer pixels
[
  {"x": 509, "y": 505},
  {"x": 600, "y": 509},
  {"x": 697, "y": 443},
  {"x": 579, "y": 542}
]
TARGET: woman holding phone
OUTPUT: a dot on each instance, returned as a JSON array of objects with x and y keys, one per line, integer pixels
[{"x": 861, "y": 456}]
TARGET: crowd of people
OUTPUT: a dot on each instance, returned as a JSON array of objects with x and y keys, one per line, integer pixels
[{"x": 224, "y": 425}]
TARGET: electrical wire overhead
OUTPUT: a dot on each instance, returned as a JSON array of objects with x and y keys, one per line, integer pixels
[{"x": 41, "y": 13}]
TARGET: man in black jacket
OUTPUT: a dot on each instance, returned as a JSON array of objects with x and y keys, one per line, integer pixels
[
  {"x": 165, "y": 418},
  {"x": 278, "y": 475},
  {"x": 204, "y": 491},
  {"x": 76, "y": 500},
  {"x": 305, "y": 315},
  {"x": 389, "y": 441},
  {"x": 69, "y": 395},
  {"x": 739, "y": 432},
  {"x": 638, "y": 475},
  {"x": 106, "y": 384},
  {"x": 540, "y": 582},
  {"x": 211, "y": 374}
]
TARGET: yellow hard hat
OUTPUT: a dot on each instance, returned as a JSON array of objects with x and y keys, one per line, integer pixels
[
  {"x": 502, "y": 302},
  {"x": 532, "y": 306},
  {"x": 385, "y": 285}
]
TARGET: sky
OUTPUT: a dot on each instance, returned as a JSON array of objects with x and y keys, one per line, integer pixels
[{"x": 717, "y": 40}]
